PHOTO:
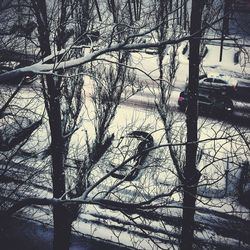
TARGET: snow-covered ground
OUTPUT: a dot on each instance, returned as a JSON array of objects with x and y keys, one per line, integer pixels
[
  {"x": 210, "y": 64},
  {"x": 161, "y": 227}
]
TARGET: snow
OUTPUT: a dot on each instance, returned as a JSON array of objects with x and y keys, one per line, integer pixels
[{"x": 159, "y": 176}]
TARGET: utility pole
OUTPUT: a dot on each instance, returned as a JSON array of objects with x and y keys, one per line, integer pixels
[{"x": 225, "y": 25}]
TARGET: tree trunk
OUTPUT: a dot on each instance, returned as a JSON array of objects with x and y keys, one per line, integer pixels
[
  {"x": 185, "y": 15},
  {"x": 60, "y": 214},
  {"x": 191, "y": 174},
  {"x": 62, "y": 221}
]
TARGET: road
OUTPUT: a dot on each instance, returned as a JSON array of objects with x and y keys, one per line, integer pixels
[{"x": 146, "y": 100}]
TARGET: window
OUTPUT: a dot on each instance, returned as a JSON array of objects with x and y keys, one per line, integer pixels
[
  {"x": 204, "y": 99},
  {"x": 208, "y": 80},
  {"x": 219, "y": 81}
]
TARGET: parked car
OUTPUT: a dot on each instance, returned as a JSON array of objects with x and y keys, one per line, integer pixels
[
  {"x": 136, "y": 142},
  {"x": 219, "y": 82},
  {"x": 242, "y": 92},
  {"x": 210, "y": 101}
]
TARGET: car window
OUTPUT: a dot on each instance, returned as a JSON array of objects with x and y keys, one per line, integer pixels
[
  {"x": 208, "y": 80},
  {"x": 204, "y": 99},
  {"x": 204, "y": 91},
  {"x": 219, "y": 81}
]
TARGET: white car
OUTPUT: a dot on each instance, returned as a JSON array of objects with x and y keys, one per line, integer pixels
[{"x": 219, "y": 82}]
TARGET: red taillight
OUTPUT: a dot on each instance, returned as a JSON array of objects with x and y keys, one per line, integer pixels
[{"x": 181, "y": 98}]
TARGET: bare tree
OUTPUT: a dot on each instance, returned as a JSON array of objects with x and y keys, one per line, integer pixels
[{"x": 102, "y": 50}]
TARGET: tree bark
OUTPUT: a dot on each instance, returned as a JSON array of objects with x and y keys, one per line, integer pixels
[
  {"x": 61, "y": 218},
  {"x": 60, "y": 213},
  {"x": 185, "y": 15},
  {"x": 191, "y": 174}
]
